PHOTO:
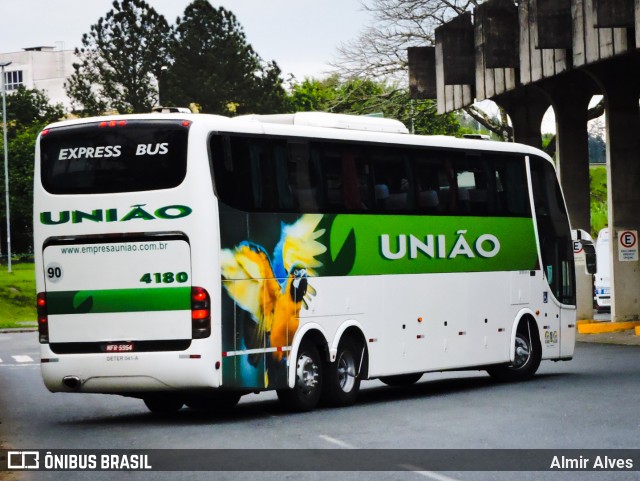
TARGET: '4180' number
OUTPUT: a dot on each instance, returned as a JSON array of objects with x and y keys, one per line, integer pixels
[{"x": 164, "y": 278}]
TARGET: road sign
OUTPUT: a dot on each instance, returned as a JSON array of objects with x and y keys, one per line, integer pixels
[{"x": 628, "y": 245}]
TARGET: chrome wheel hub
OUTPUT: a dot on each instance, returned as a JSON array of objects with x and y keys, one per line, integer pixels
[
  {"x": 523, "y": 352},
  {"x": 307, "y": 374},
  {"x": 346, "y": 371}
]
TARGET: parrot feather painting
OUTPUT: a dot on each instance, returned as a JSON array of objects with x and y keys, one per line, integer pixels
[{"x": 273, "y": 289}]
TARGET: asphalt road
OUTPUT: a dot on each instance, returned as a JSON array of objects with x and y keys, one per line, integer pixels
[{"x": 588, "y": 403}]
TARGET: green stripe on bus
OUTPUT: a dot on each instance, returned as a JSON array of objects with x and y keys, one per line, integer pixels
[{"x": 119, "y": 300}]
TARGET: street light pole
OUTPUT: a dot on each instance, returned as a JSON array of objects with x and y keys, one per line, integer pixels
[{"x": 6, "y": 160}]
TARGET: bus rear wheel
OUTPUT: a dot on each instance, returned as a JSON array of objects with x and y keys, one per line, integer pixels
[
  {"x": 342, "y": 379},
  {"x": 305, "y": 394},
  {"x": 401, "y": 379},
  {"x": 163, "y": 404},
  {"x": 528, "y": 353}
]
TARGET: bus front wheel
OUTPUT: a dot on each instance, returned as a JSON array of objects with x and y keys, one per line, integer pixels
[
  {"x": 528, "y": 353},
  {"x": 342, "y": 380},
  {"x": 305, "y": 394}
]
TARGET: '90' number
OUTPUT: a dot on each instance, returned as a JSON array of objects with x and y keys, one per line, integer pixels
[
  {"x": 164, "y": 278},
  {"x": 54, "y": 272}
]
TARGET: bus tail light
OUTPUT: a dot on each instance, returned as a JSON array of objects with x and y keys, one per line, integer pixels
[
  {"x": 200, "y": 313},
  {"x": 43, "y": 320}
]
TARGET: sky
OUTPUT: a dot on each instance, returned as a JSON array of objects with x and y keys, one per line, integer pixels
[{"x": 302, "y": 36}]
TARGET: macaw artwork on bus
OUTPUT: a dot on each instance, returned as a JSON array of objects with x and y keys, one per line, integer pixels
[
  {"x": 269, "y": 288},
  {"x": 270, "y": 261}
]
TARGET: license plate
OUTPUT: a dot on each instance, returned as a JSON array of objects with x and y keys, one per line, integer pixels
[{"x": 120, "y": 347}]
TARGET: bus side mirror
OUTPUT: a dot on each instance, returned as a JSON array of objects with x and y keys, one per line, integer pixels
[
  {"x": 584, "y": 250},
  {"x": 590, "y": 256}
]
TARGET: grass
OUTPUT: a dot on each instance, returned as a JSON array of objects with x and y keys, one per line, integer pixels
[
  {"x": 599, "y": 212},
  {"x": 17, "y": 296}
]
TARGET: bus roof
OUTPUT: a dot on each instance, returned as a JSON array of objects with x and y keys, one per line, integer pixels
[
  {"x": 335, "y": 121},
  {"x": 322, "y": 125}
]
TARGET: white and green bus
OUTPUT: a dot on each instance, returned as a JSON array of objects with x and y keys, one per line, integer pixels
[{"x": 192, "y": 259}]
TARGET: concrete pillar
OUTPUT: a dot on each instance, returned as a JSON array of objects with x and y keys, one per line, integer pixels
[
  {"x": 525, "y": 106},
  {"x": 620, "y": 84},
  {"x": 570, "y": 96}
]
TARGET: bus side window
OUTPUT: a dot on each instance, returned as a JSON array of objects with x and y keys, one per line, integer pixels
[
  {"x": 473, "y": 191},
  {"x": 352, "y": 182},
  {"x": 432, "y": 184},
  {"x": 346, "y": 177},
  {"x": 392, "y": 185},
  {"x": 304, "y": 182},
  {"x": 511, "y": 187},
  {"x": 231, "y": 174}
]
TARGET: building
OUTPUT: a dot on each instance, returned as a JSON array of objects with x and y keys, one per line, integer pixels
[{"x": 44, "y": 68}]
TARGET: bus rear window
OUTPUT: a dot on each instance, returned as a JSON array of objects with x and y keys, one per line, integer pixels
[{"x": 122, "y": 156}]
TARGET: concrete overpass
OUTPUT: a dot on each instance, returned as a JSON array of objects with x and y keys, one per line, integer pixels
[{"x": 540, "y": 53}]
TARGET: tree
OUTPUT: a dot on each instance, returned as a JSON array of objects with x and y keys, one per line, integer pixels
[
  {"x": 119, "y": 59},
  {"x": 381, "y": 50},
  {"x": 367, "y": 97},
  {"x": 314, "y": 95},
  {"x": 216, "y": 68},
  {"x": 30, "y": 106},
  {"x": 28, "y": 111}
]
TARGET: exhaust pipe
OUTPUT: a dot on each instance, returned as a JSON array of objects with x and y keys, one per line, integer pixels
[{"x": 72, "y": 382}]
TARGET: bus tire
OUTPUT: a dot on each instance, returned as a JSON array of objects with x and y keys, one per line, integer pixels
[
  {"x": 526, "y": 362},
  {"x": 305, "y": 394},
  {"x": 402, "y": 379},
  {"x": 342, "y": 377},
  {"x": 163, "y": 404}
]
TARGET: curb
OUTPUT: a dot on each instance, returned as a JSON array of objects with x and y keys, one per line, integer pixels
[
  {"x": 590, "y": 327},
  {"x": 14, "y": 330}
]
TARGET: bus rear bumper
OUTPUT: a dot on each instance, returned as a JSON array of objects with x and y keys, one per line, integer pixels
[{"x": 128, "y": 372}]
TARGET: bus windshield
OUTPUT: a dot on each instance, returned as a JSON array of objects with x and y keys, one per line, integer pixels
[{"x": 111, "y": 157}]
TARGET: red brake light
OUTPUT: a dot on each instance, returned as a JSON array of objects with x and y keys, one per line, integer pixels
[
  {"x": 43, "y": 320},
  {"x": 186, "y": 123},
  {"x": 112, "y": 123},
  {"x": 200, "y": 313},
  {"x": 44, "y": 132},
  {"x": 198, "y": 294}
]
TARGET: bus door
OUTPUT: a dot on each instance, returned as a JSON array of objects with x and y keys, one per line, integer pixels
[{"x": 556, "y": 257}]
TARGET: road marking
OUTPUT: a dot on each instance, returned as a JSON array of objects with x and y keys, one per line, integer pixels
[
  {"x": 337, "y": 442},
  {"x": 22, "y": 358},
  {"x": 427, "y": 474}
]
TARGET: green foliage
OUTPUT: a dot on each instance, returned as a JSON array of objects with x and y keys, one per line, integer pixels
[
  {"x": 119, "y": 57},
  {"x": 17, "y": 296},
  {"x": 597, "y": 149},
  {"x": 367, "y": 97},
  {"x": 217, "y": 69},
  {"x": 28, "y": 111},
  {"x": 599, "y": 206},
  {"x": 30, "y": 106},
  {"x": 314, "y": 95}
]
